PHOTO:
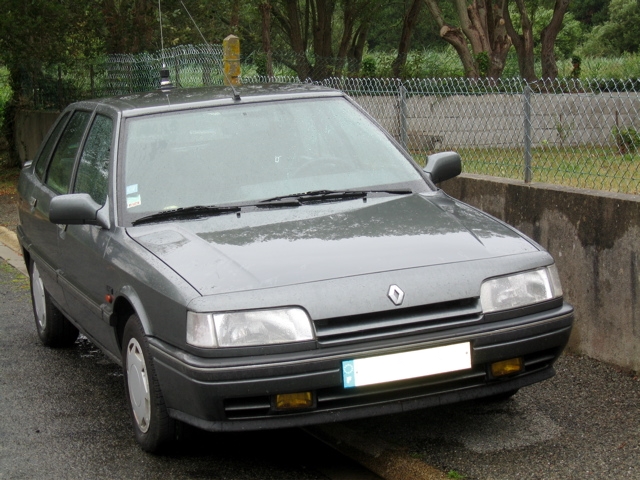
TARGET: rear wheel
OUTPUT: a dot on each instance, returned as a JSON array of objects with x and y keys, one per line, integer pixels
[
  {"x": 152, "y": 426},
  {"x": 53, "y": 327}
]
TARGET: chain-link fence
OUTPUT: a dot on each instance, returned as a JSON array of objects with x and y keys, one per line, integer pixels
[
  {"x": 56, "y": 86},
  {"x": 578, "y": 133}
]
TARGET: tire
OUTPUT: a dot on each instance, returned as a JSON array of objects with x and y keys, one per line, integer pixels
[
  {"x": 53, "y": 327},
  {"x": 154, "y": 429}
]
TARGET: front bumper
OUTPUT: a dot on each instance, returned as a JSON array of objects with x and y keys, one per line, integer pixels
[{"x": 230, "y": 394}]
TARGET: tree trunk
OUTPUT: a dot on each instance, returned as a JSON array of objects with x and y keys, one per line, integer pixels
[
  {"x": 322, "y": 14},
  {"x": 357, "y": 47},
  {"x": 455, "y": 37},
  {"x": 348, "y": 24},
  {"x": 522, "y": 43},
  {"x": 473, "y": 25},
  {"x": 298, "y": 45},
  {"x": 500, "y": 41},
  {"x": 408, "y": 24},
  {"x": 548, "y": 39},
  {"x": 265, "y": 11}
]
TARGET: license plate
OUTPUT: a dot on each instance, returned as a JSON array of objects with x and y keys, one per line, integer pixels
[{"x": 401, "y": 366}]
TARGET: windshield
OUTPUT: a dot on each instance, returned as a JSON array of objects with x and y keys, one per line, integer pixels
[{"x": 255, "y": 151}]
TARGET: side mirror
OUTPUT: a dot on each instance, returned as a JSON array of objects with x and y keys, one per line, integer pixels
[
  {"x": 443, "y": 166},
  {"x": 76, "y": 209}
]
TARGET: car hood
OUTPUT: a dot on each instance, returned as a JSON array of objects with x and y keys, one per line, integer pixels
[{"x": 279, "y": 247}]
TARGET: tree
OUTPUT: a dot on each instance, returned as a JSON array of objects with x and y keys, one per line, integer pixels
[
  {"x": 265, "y": 12},
  {"x": 40, "y": 34},
  {"x": 548, "y": 39},
  {"x": 409, "y": 22},
  {"x": 309, "y": 25},
  {"x": 524, "y": 41},
  {"x": 620, "y": 33},
  {"x": 132, "y": 26},
  {"x": 481, "y": 39},
  {"x": 590, "y": 12}
]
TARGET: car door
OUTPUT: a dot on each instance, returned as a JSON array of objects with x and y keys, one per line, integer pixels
[
  {"x": 51, "y": 176},
  {"x": 86, "y": 272}
]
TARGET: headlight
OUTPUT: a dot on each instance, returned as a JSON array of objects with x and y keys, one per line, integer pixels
[
  {"x": 251, "y": 327},
  {"x": 521, "y": 289}
]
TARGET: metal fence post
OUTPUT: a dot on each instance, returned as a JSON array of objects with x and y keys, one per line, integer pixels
[
  {"x": 527, "y": 134},
  {"x": 402, "y": 91}
]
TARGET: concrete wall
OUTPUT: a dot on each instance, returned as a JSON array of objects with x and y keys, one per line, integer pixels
[
  {"x": 31, "y": 128},
  {"x": 594, "y": 237}
]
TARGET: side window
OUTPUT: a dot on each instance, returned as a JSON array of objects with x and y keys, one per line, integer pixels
[
  {"x": 93, "y": 169},
  {"x": 61, "y": 166},
  {"x": 41, "y": 161}
]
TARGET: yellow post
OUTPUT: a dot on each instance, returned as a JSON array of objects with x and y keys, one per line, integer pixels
[{"x": 231, "y": 60}]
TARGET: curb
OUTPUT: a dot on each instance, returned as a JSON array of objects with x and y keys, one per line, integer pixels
[{"x": 10, "y": 250}]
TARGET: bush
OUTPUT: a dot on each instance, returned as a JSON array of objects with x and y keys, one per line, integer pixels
[
  {"x": 5, "y": 93},
  {"x": 627, "y": 139}
]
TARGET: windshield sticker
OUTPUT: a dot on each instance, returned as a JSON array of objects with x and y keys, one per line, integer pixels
[
  {"x": 133, "y": 201},
  {"x": 131, "y": 189}
]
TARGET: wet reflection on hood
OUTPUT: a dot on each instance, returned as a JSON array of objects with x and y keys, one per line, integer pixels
[{"x": 414, "y": 215}]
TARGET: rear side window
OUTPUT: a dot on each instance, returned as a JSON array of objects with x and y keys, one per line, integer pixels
[
  {"x": 61, "y": 166},
  {"x": 41, "y": 161},
  {"x": 93, "y": 169}
]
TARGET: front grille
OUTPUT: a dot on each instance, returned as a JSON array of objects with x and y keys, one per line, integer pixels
[{"x": 398, "y": 322}]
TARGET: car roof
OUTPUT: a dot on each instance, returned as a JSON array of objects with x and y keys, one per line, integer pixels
[{"x": 170, "y": 99}]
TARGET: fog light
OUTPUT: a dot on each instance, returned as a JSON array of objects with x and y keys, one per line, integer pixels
[
  {"x": 507, "y": 367},
  {"x": 287, "y": 401}
]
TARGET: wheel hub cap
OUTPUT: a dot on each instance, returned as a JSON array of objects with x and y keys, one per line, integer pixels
[
  {"x": 38, "y": 297},
  {"x": 138, "y": 383}
]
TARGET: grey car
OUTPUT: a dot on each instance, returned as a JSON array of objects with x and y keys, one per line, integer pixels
[{"x": 272, "y": 257}]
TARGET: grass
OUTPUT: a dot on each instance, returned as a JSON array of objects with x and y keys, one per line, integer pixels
[
  {"x": 18, "y": 282},
  {"x": 455, "y": 475},
  {"x": 592, "y": 167}
]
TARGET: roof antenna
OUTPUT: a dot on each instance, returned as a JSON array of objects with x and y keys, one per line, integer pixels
[
  {"x": 165, "y": 76},
  {"x": 236, "y": 95}
]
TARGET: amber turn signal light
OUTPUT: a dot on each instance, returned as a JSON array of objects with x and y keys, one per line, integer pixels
[
  {"x": 507, "y": 367},
  {"x": 288, "y": 401}
]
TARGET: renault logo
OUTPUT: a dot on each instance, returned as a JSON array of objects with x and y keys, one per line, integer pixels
[{"x": 395, "y": 294}]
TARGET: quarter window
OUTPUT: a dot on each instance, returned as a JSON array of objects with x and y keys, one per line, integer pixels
[
  {"x": 59, "y": 174},
  {"x": 41, "y": 161},
  {"x": 93, "y": 169}
]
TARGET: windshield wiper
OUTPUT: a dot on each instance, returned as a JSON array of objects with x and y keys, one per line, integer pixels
[
  {"x": 293, "y": 200},
  {"x": 331, "y": 195},
  {"x": 195, "y": 211}
]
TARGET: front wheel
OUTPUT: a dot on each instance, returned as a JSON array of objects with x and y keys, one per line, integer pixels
[
  {"x": 151, "y": 423},
  {"x": 53, "y": 327}
]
